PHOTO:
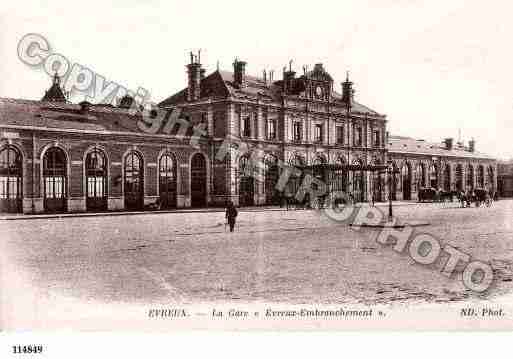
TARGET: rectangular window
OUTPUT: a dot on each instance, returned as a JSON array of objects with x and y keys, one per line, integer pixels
[
  {"x": 297, "y": 131},
  {"x": 204, "y": 124},
  {"x": 376, "y": 139},
  {"x": 245, "y": 127},
  {"x": 340, "y": 135},
  {"x": 271, "y": 129},
  {"x": 3, "y": 187},
  {"x": 318, "y": 133},
  {"x": 358, "y": 136}
]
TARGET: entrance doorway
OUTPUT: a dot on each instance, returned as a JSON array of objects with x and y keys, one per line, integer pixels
[
  {"x": 406, "y": 177},
  {"x": 167, "y": 181},
  {"x": 10, "y": 180},
  {"x": 134, "y": 181},
  {"x": 272, "y": 174},
  {"x": 96, "y": 181},
  {"x": 198, "y": 181},
  {"x": 55, "y": 180},
  {"x": 246, "y": 182}
]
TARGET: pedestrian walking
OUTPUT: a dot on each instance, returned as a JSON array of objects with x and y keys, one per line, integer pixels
[{"x": 231, "y": 215}]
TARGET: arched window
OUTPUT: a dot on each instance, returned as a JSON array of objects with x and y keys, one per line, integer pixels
[
  {"x": 96, "y": 180},
  {"x": 134, "y": 177},
  {"x": 459, "y": 177},
  {"x": 406, "y": 181},
  {"x": 246, "y": 182},
  {"x": 447, "y": 178},
  {"x": 470, "y": 176},
  {"x": 433, "y": 176},
  {"x": 10, "y": 180},
  {"x": 167, "y": 181},
  {"x": 297, "y": 163},
  {"x": 319, "y": 170},
  {"x": 421, "y": 175},
  {"x": 480, "y": 176},
  {"x": 55, "y": 180},
  {"x": 271, "y": 176},
  {"x": 358, "y": 181},
  {"x": 198, "y": 180},
  {"x": 490, "y": 179},
  {"x": 340, "y": 175}
]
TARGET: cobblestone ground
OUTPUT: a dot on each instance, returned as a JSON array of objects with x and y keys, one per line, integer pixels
[{"x": 274, "y": 256}]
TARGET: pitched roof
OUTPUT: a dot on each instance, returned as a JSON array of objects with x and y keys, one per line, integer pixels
[
  {"x": 221, "y": 84},
  {"x": 59, "y": 115},
  {"x": 409, "y": 145},
  {"x": 54, "y": 93}
]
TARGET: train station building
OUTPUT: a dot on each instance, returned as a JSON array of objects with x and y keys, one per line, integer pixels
[
  {"x": 446, "y": 166},
  {"x": 56, "y": 156}
]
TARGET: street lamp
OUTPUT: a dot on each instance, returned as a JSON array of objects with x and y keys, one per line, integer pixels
[{"x": 390, "y": 170}]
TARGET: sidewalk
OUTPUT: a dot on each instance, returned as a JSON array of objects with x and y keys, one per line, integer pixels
[{"x": 20, "y": 216}]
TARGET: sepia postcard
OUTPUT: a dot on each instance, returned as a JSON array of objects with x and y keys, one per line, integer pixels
[{"x": 335, "y": 166}]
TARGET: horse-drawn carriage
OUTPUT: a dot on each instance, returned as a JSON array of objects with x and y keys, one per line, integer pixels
[
  {"x": 478, "y": 196},
  {"x": 433, "y": 195}
]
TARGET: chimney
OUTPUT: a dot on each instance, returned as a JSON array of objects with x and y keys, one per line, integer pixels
[
  {"x": 472, "y": 145},
  {"x": 448, "y": 143},
  {"x": 84, "y": 106},
  {"x": 239, "y": 73},
  {"x": 126, "y": 101},
  {"x": 347, "y": 91},
  {"x": 194, "y": 73},
  {"x": 288, "y": 78}
]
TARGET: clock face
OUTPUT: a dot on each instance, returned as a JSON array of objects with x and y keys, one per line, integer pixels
[{"x": 318, "y": 91}]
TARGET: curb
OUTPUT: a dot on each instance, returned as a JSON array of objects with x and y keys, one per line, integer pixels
[
  {"x": 127, "y": 213},
  {"x": 176, "y": 211},
  {"x": 392, "y": 224}
]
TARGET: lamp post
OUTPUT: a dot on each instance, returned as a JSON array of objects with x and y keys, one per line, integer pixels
[{"x": 390, "y": 170}]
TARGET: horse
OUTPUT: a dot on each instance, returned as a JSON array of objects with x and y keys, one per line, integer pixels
[
  {"x": 464, "y": 198},
  {"x": 480, "y": 196},
  {"x": 446, "y": 196},
  {"x": 427, "y": 194}
]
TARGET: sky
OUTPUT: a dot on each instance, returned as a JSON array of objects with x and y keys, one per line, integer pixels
[{"x": 435, "y": 68}]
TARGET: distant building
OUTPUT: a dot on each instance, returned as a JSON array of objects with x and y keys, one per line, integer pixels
[
  {"x": 445, "y": 165},
  {"x": 505, "y": 178}
]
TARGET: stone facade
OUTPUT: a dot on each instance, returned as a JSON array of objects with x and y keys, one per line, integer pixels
[{"x": 299, "y": 118}]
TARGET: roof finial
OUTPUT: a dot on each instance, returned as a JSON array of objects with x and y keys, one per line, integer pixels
[
  {"x": 56, "y": 78},
  {"x": 347, "y": 76},
  {"x": 192, "y": 57},
  {"x": 290, "y": 65},
  {"x": 217, "y": 65},
  {"x": 199, "y": 56}
]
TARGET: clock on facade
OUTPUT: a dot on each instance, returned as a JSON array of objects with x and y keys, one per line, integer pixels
[{"x": 318, "y": 92}]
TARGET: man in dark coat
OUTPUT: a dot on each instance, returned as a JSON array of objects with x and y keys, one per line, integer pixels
[{"x": 231, "y": 214}]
